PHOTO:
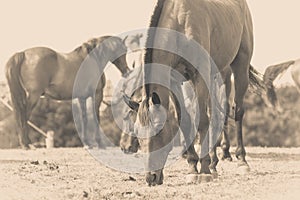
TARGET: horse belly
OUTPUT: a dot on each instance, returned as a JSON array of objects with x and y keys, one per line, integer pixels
[
  {"x": 37, "y": 69},
  {"x": 59, "y": 92}
]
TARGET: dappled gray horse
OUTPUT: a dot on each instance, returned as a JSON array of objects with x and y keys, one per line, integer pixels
[{"x": 41, "y": 71}]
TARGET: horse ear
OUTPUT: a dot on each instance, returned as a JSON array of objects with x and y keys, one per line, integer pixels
[
  {"x": 125, "y": 38},
  {"x": 155, "y": 99},
  {"x": 140, "y": 35},
  {"x": 132, "y": 104},
  {"x": 91, "y": 44}
]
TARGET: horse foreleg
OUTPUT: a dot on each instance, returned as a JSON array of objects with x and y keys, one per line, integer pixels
[
  {"x": 186, "y": 127},
  {"x": 202, "y": 95},
  {"x": 83, "y": 131},
  {"x": 241, "y": 84}
]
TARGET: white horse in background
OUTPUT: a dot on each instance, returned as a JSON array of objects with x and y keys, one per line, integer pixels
[
  {"x": 135, "y": 53},
  {"x": 273, "y": 72}
]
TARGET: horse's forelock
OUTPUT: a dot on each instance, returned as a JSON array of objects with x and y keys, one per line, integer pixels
[{"x": 143, "y": 113}]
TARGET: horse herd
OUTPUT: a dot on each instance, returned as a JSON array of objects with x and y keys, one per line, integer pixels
[{"x": 223, "y": 30}]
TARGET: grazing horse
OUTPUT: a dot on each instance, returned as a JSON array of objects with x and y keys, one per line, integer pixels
[
  {"x": 129, "y": 143},
  {"x": 272, "y": 72},
  {"x": 41, "y": 71},
  {"x": 224, "y": 29},
  {"x": 132, "y": 87}
]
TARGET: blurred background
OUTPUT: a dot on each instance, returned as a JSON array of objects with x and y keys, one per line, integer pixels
[
  {"x": 64, "y": 25},
  {"x": 262, "y": 126}
]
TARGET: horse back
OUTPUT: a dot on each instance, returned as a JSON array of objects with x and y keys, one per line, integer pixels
[{"x": 218, "y": 26}]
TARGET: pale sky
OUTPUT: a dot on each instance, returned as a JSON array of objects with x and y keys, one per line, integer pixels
[{"x": 66, "y": 24}]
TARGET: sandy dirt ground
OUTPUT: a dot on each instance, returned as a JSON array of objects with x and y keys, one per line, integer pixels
[{"x": 74, "y": 174}]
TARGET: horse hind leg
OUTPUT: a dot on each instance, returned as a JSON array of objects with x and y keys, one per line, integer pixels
[
  {"x": 240, "y": 68},
  {"x": 22, "y": 116},
  {"x": 22, "y": 127},
  {"x": 18, "y": 97},
  {"x": 22, "y": 113},
  {"x": 225, "y": 142},
  {"x": 96, "y": 118},
  {"x": 202, "y": 95}
]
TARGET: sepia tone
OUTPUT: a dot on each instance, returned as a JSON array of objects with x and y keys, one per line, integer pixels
[{"x": 69, "y": 154}]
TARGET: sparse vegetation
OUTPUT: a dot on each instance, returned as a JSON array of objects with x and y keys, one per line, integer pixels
[{"x": 262, "y": 126}]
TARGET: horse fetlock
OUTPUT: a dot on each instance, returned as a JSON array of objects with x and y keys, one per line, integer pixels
[
  {"x": 192, "y": 168},
  {"x": 226, "y": 156},
  {"x": 205, "y": 168},
  {"x": 24, "y": 141},
  {"x": 213, "y": 165},
  {"x": 240, "y": 154}
]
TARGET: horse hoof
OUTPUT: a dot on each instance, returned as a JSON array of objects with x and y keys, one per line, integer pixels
[
  {"x": 205, "y": 178},
  {"x": 32, "y": 147},
  {"x": 150, "y": 179},
  {"x": 214, "y": 174},
  {"x": 227, "y": 158},
  {"x": 86, "y": 147},
  {"x": 101, "y": 147},
  {"x": 28, "y": 147},
  {"x": 25, "y": 147},
  {"x": 243, "y": 169},
  {"x": 191, "y": 178}
]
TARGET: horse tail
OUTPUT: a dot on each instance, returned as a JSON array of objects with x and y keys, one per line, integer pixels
[
  {"x": 271, "y": 73},
  {"x": 256, "y": 79},
  {"x": 17, "y": 91}
]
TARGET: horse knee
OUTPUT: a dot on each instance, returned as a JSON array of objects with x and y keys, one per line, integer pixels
[{"x": 239, "y": 113}]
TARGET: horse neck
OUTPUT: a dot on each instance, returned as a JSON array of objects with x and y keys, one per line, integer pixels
[{"x": 79, "y": 52}]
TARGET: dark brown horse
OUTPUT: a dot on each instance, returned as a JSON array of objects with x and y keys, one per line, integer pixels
[
  {"x": 41, "y": 71},
  {"x": 224, "y": 29}
]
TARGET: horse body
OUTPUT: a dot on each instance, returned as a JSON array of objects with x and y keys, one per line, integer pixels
[
  {"x": 41, "y": 71},
  {"x": 43, "y": 68},
  {"x": 224, "y": 30}
]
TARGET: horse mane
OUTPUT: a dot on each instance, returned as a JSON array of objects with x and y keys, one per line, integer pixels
[
  {"x": 151, "y": 35},
  {"x": 91, "y": 43}
]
